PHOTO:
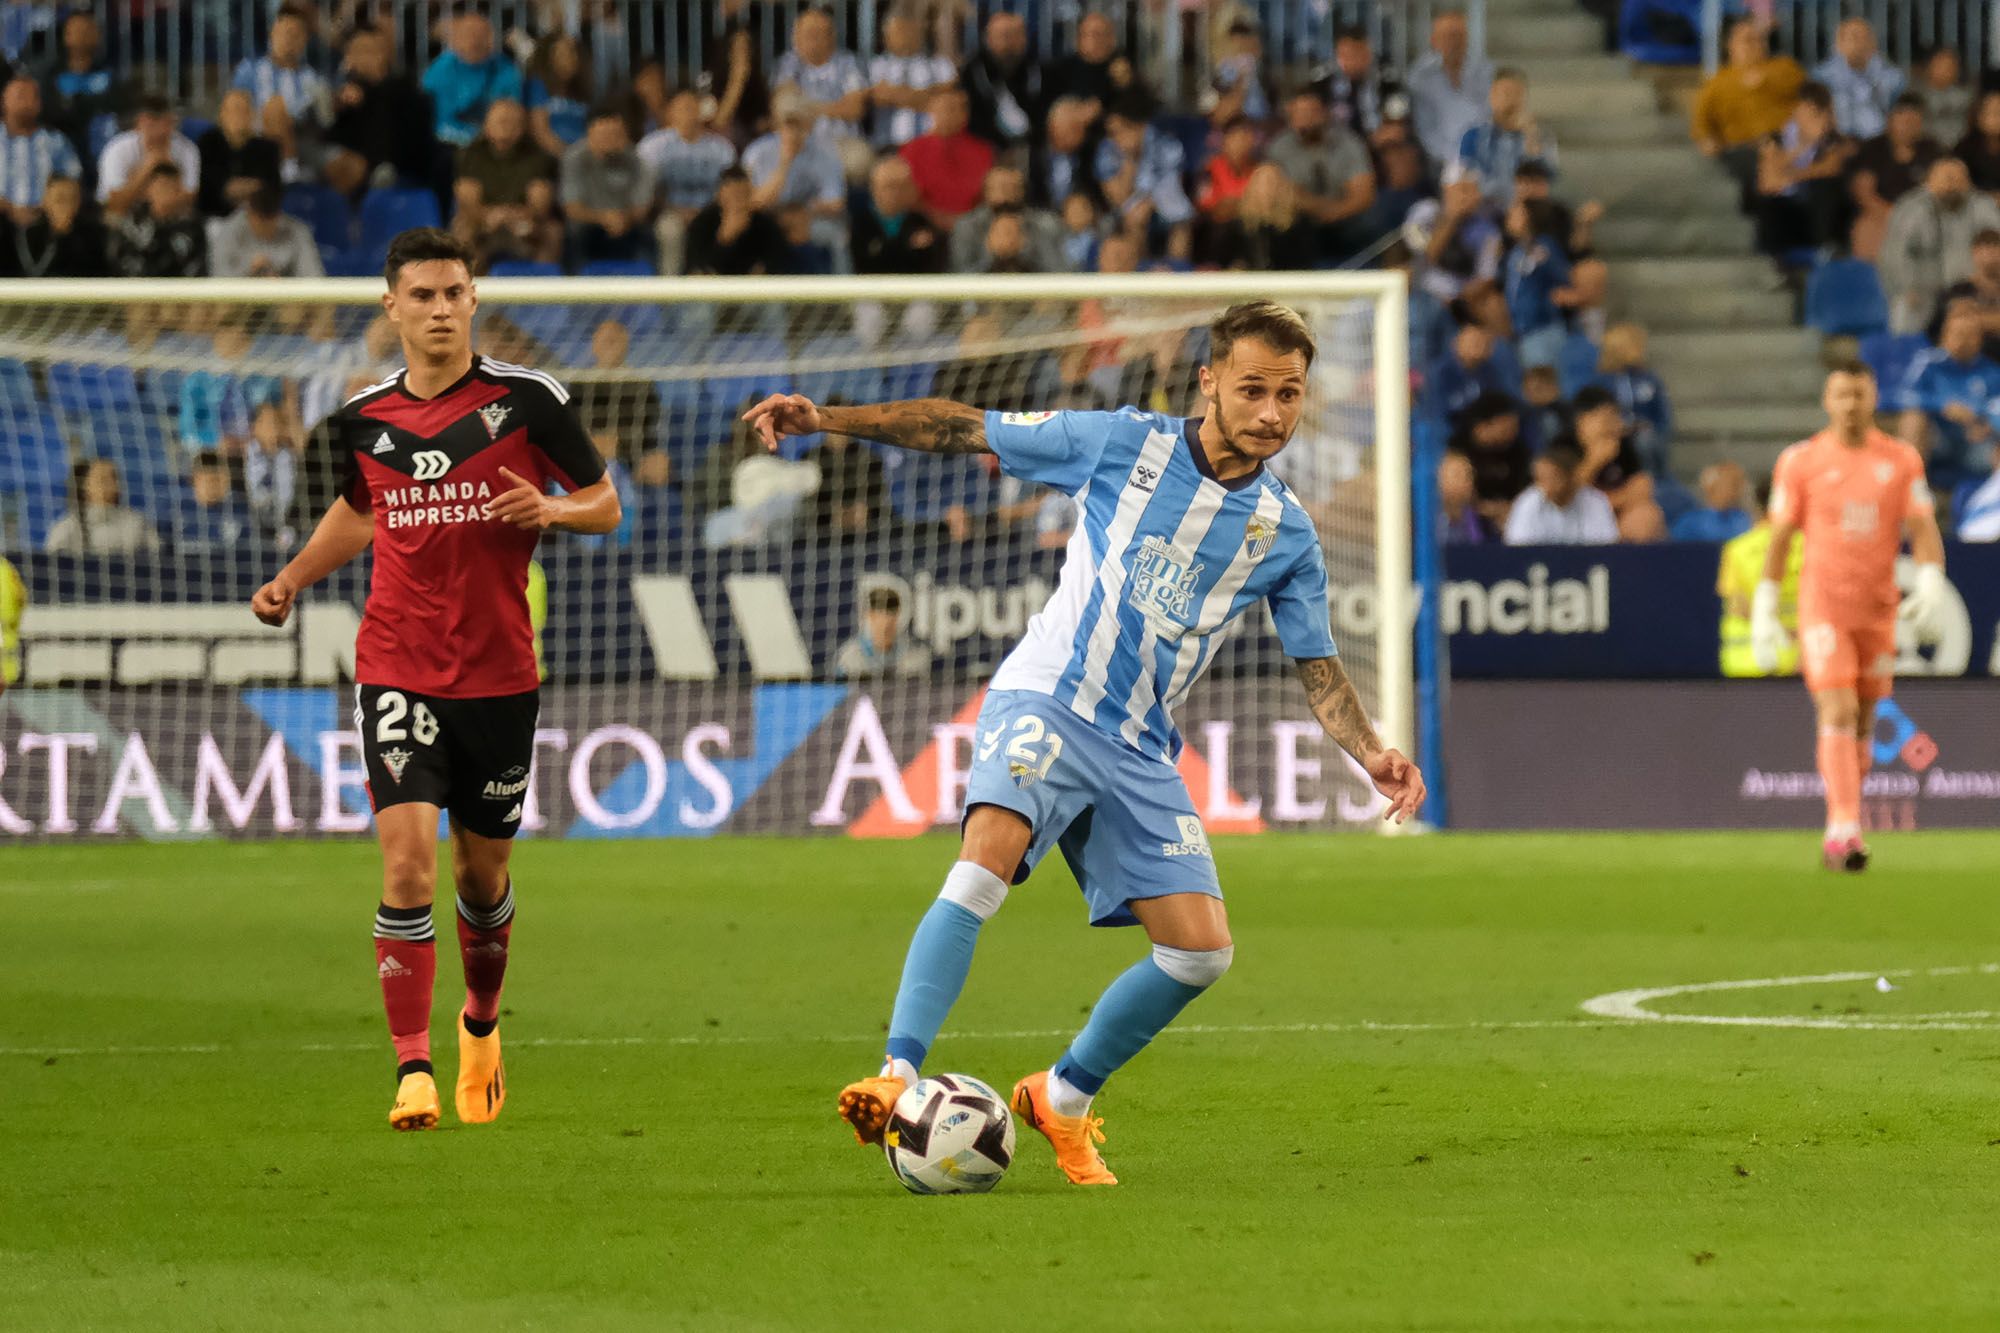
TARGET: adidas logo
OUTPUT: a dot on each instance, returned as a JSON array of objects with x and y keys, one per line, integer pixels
[
  {"x": 391, "y": 968},
  {"x": 492, "y": 947},
  {"x": 385, "y": 444}
]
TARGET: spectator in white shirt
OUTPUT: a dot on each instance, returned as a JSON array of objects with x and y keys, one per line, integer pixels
[
  {"x": 128, "y": 160},
  {"x": 1863, "y": 84},
  {"x": 260, "y": 241},
  {"x": 832, "y": 84},
  {"x": 1557, "y": 510},
  {"x": 901, "y": 72},
  {"x": 1448, "y": 87},
  {"x": 687, "y": 160}
]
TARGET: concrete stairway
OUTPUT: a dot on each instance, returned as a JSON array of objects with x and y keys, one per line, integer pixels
[{"x": 1743, "y": 376}]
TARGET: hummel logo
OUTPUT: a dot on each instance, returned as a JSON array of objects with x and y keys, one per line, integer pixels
[
  {"x": 385, "y": 444},
  {"x": 989, "y": 742},
  {"x": 391, "y": 968},
  {"x": 493, "y": 414},
  {"x": 1144, "y": 478}
]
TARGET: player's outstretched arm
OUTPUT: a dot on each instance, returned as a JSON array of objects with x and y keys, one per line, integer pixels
[
  {"x": 927, "y": 425},
  {"x": 341, "y": 535},
  {"x": 1338, "y": 708}
]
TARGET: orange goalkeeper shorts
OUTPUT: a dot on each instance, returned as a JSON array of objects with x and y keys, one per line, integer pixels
[{"x": 1860, "y": 658}]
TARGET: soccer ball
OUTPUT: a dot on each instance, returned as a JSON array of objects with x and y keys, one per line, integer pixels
[{"x": 949, "y": 1134}]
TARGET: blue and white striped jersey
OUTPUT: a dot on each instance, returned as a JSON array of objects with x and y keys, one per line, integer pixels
[
  {"x": 302, "y": 88},
  {"x": 1165, "y": 557},
  {"x": 28, "y": 160}
]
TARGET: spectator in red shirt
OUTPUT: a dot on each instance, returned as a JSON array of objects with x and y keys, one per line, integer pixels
[
  {"x": 1228, "y": 173},
  {"x": 950, "y": 164}
]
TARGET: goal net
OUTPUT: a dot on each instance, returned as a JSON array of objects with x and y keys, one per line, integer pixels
[{"x": 794, "y": 643}]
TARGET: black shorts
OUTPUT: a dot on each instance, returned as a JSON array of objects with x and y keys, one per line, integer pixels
[{"x": 468, "y": 756}]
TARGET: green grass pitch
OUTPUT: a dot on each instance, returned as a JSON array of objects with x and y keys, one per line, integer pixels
[{"x": 1393, "y": 1113}]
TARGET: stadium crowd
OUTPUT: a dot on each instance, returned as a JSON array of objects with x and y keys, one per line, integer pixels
[{"x": 914, "y": 157}]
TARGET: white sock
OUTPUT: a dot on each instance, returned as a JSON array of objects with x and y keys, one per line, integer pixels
[
  {"x": 1065, "y": 1100},
  {"x": 901, "y": 1069},
  {"x": 1843, "y": 831}
]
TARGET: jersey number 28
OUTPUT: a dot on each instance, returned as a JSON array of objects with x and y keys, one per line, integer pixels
[{"x": 393, "y": 708}]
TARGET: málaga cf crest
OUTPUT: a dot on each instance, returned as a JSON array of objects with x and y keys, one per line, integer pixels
[{"x": 1258, "y": 536}]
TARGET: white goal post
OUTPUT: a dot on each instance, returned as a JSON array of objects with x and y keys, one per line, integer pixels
[{"x": 684, "y": 657}]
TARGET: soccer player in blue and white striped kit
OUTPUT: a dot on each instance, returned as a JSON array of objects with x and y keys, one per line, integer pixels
[{"x": 1183, "y": 529}]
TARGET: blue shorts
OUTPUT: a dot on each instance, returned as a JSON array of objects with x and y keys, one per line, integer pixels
[{"x": 1123, "y": 820}]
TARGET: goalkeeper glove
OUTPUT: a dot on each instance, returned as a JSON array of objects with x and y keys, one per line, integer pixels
[
  {"x": 1767, "y": 634},
  {"x": 1923, "y": 605}
]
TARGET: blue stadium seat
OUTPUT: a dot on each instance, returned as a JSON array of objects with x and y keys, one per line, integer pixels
[
  {"x": 325, "y": 210},
  {"x": 926, "y": 485},
  {"x": 1844, "y": 296},
  {"x": 33, "y": 456},
  {"x": 1889, "y": 356},
  {"x": 396, "y": 209},
  {"x": 619, "y": 268},
  {"x": 37, "y": 512},
  {"x": 1664, "y": 32},
  {"x": 549, "y": 325},
  {"x": 525, "y": 268},
  {"x": 355, "y": 263},
  {"x": 79, "y": 389},
  {"x": 1576, "y": 364}
]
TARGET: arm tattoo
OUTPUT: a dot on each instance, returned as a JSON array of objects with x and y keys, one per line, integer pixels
[
  {"x": 928, "y": 425},
  {"x": 1338, "y": 708}
]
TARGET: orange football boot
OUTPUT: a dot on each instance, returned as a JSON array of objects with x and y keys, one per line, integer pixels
[
  {"x": 482, "y": 1079},
  {"x": 416, "y": 1102},
  {"x": 866, "y": 1104},
  {"x": 1074, "y": 1137}
]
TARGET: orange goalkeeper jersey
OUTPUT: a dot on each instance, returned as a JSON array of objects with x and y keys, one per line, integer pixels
[{"x": 1849, "y": 504}]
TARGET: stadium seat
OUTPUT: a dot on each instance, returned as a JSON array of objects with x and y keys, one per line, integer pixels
[
  {"x": 524, "y": 268},
  {"x": 81, "y": 389},
  {"x": 1844, "y": 296},
  {"x": 33, "y": 456},
  {"x": 387, "y": 212},
  {"x": 1576, "y": 364},
  {"x": 37, "y": 511},
  {"x": 325, "y": 210},
  {"x": 619, "y": 268},
  {"x": 1889, "y": 356},
  {"x": 1664, "y": 32}
]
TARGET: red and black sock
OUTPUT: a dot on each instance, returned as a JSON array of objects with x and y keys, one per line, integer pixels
[
  {"x": 482, "y": 946},
  {"x": 406, "y": 962}
]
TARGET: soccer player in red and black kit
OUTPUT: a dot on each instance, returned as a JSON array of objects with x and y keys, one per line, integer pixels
[{"x": 447, "y": 466}]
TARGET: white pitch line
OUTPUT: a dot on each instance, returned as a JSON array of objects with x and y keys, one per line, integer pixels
[
  {"x": 1192, "y": 1029},
  {"x": 1629, "y": 1006}
]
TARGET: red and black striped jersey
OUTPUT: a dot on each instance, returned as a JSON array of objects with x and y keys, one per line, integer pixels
[{"x": 447, "y": 610}]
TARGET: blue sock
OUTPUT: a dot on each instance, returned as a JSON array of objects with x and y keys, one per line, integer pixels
[
  {"x": 1131, "y": 1013},
  {"x": 933, "y": 974}
]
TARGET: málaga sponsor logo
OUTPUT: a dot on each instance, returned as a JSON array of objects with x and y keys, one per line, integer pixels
[{"x": 1898, "y": 738}]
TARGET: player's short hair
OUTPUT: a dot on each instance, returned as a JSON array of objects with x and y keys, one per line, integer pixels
[
  {"x": 1279, "y": 326},
  {"x": 1533, "y": 169},
  {"x": 1512, "y": 73},
  {"x": 153, "y": 104},
  {"x": 1816, "y": 95},
  {"x": 1984, "y": 236},
  {"x": 1851, "y": 367},
  {"x": 420, "y": 245}
]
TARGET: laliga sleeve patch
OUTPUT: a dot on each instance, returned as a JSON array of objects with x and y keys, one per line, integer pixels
[{"x": 1026, "y": 418}]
